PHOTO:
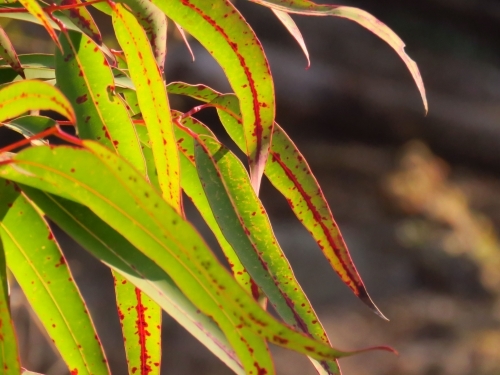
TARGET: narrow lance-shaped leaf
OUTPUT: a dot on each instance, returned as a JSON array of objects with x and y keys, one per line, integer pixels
[
  {"x": 115, "y": 251},
  {"x": 39, "y": 267},
  {"x": 24, "y": 96},
  {"x": 82, "y": 18},
  {"x": 121, "y": 197},
  {"x": 289, "y": 172},
  {"x": 154, "y": 23},
  {"x": 153, "y": 102},
  {"x": 35, "y": 66},
  {"x": 221, "y": 29},
  {"x": 139, "y": 319},
  {"x": 363, "y": 18},
  {"x": 102, "y": 116},
  {"x": 293, "y": 29},
  {"x": 61, "y": 19},
  {"x": 84, "y": 76},
  {"x": 9, "y": 357},
  {"x": 36, "y": 10},
  {"x": 244, "y": 222},
  {"x": 185, "y": 39},
  {"x": 8, "y": 53},
  {"x": 192, "y": 187}
]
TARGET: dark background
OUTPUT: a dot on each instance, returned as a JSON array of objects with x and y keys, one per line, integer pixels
[{"x": 416, "y": 197}]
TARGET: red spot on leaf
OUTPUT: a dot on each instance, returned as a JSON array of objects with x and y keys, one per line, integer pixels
[{"x": 81, "y": 99}]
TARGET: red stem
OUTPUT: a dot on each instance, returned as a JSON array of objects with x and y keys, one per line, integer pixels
[{"x": 55, "y": 130}]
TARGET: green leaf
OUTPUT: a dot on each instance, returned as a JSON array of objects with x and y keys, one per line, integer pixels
[
  {"x": 140, "y": 319},
  {"x": 288, "y": 171},
  {"x": 8, "y": 53},
  {"x": 65, "y": 21},
  {"x": 293, "y": 29},
  {"x": 9, "y": 357},
  {"x": 363, "y": 18},
  {"x": 154, "y": 23},
  {"x": 116, "y": 193},
  {"x": 117, "y": 253},
  {"x": 82, "y": 18},
  {"x": 84, "y": 76},
  {"x": 35, "y": 66},
  {"x": 20, "y": 97},
  {"x": 40, "y": 268},
  {"x": 221, "y": 29},
  {"x": 36, "y": 11},
  {"x": 245, "y": 224},
  {"x": 153, "y": 102}
]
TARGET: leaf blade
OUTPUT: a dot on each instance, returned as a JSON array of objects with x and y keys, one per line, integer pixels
[
  {"x": 153, "y": 102},
  {"x": 221, "y": 29},
  {"x": 159, "y": 232},
  {"x": 23, "y": 96},
  {"x": 40, "y": 269},
  {"x": 360, "y": 16}
]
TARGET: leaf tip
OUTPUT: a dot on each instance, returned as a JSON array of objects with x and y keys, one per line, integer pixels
[{"x": 366, "y": 299}]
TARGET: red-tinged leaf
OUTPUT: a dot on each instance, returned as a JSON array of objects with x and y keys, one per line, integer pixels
[
  {"x": 120, "y": 196},
  {"x": 191, "y": 185},
  {"x": 246, "y": 226},
  {"x": 8, "y": 53},
  {"x": 40, "y": 268},
  {"x": 20, "y": 97},
  {"x": 289, "y": 172},
  {"x": 363, "y": 18},
  {"x": 62, "y": 20},
  {"x": 84, "y": 76},
  {"x": 82, "y": 18},
  {"x": 184, "y": 38},
  {"x": 293, "y": 29},
  {"x": 221, "y": 29},
  {"x": 116, "y": 252},
  {"x": 36, "y": 10},
  {"x": 9, "y": 357},
  {"x": 154, "y": 23},
  {"x": 140, "y": 319},
  {"x": 153, "y": 102}
]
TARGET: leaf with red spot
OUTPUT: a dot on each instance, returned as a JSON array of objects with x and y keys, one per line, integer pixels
[
  {"x": 61, "y": 18},
  {"x": 140, "y": 321},
  {"x": 8, "y": 53},
  {"x": 191, "y": 185},
  {"x": 246, "y": 226},
  {"x": 9, "y": 356},
  {"x": 153, "y": 102},
  {"x": 121, "y": 197},
  {"x": 84, "y": 76},
  {"x": 293, "y": 29},
  {"x": 154, "y": 23},
  {"x": 116, "y": 252},
  {"x": 20, "y": 97},
  {"x": 363, "y": 18},
  {"x": 82, "y": 18},
  {"x": 221, "y": 29},
  {"x": 34, "y": 8},
  {"x": 288, "y": 171},
  {"x": 39, "y": 267}
]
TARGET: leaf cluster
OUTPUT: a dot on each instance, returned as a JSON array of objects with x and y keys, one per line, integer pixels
[{"x": 116, "y": 185}]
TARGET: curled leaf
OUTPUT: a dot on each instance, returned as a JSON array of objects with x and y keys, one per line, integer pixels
[
  {"x": 8, "y": 53},
  {"x": 360, "y": 16},
  {"x": 20, "y": 97}
]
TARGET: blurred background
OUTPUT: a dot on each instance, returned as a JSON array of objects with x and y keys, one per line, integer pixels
[{"x": 417, "y": 197}]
